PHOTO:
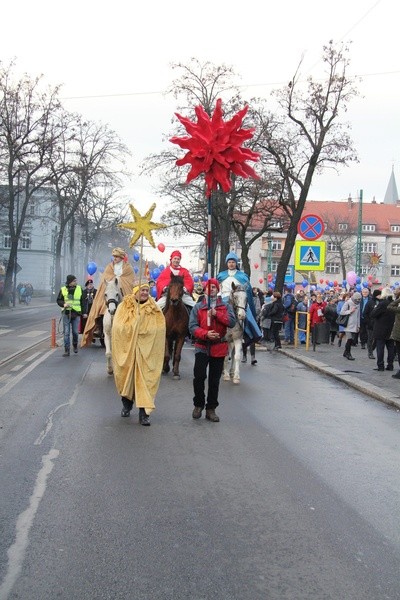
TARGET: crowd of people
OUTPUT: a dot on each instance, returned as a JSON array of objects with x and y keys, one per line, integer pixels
[
  {"x": 351, "y": 318},
  {"x": 367, "y": 319}
]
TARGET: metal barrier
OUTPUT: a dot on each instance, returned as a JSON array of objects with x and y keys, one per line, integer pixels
[{"x": 297, "y": 328}]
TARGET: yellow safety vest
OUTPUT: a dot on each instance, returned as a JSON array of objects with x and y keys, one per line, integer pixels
[{"x": 76, "y": 299}]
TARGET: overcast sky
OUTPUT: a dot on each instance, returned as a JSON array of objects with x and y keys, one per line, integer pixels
[{"x": 113, "y": 60}]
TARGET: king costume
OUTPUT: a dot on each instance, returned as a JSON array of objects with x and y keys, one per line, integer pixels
[
  {"x": 138, "y": 343},
  {"x": 226, "y": 278}
]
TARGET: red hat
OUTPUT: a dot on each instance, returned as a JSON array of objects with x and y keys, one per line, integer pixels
[
  {"x": 175, "y": 253},
  {"x": 212, "y": 281}
]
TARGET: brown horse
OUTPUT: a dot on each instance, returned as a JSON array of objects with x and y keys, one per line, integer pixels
[{"x": 176, "y": 320}]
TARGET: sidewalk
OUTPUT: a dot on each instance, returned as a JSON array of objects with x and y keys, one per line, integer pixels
[
  {"x": 358, "y": 374},
  {"x": 35, "y": 302}
]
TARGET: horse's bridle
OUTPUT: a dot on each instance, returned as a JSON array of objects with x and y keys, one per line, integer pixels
[
  {"x": 234, "y": 302},
  {"x": 114, "y": 301}
]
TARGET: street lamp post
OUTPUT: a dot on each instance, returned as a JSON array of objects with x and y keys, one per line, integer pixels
[
  {"x": 16, "y": 249},
  {"x": 269, "y": 253}
]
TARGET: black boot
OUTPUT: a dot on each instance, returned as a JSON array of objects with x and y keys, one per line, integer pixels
[
  {"x": 348, "y": 355},
  {"x": 75, "y": 348},
  {"x": 66, "y": 351},
  {"x": 396, "y": 375}
]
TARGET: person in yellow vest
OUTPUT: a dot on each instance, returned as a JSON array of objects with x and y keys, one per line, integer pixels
[{"x": 70, "y": 300}]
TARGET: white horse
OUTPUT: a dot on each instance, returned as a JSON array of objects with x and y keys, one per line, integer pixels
[
  {"x": 112, "y": 297},
  {"x": 234, "y": 336}
]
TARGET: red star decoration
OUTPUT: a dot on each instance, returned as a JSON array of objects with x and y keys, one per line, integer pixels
[{"x": 214, "y": 148}]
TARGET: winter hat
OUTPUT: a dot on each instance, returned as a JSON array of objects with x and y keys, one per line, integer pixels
[
  {"x": 119, "y": 252},
  {"x": 88, "y": 281},
  {"x": 212, "y": 281},
  {"x": 175, "y": 253},
  {"x": 140, "y": 286},
  {"x": 70, "y": 279},
  {"x": 356, "y": 297},
  {"x": 231, "y": 256}
]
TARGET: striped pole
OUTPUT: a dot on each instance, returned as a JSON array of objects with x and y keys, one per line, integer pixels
[{"x": 209, "y": 249}]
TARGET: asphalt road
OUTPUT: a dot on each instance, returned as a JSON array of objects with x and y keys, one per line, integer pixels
[{"x": 294, "y": 494}]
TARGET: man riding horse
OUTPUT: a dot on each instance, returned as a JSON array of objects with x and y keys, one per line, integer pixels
[
  {"x": 164, "y": 279},
  {"x": 252, "y": 332},
  {"x": 118, "y": 267}
]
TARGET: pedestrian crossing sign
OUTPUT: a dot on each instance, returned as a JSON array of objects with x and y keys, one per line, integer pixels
[{"x": 310, "y": 256}]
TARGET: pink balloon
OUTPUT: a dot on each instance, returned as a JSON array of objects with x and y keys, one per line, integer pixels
[{"x": 351, "y": 278}]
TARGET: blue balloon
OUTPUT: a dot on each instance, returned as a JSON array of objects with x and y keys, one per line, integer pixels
[
  {"x": 136, "y": 256},
  {"x": 304, "y": 283},
  {"x": 358, "y": 287},
  {"x": 205, "y": 277},
  {"x": 153, "y": 291},
  {"x": 136, "y": 269},
  {"x": 312, "y": 288},
  {"x": 196, "y": 278},
  {"x": 330, "y": 284},
  {"x": 161, "y": 267},
  {"x": 344, "y": 283},
  {"x": 396, "y": 284},
  {"x": 91, "y": 268},
  {"x": 365, "y": 284},
  {"x": 358, "y": 279},
  {"x": 156, "y": 273},
  {"x": 326, "y": 288}
]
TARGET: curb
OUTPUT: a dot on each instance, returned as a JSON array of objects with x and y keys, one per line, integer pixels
[{"x": 385, "y": 396}]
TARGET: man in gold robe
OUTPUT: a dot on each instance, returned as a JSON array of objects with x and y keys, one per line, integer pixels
[{"x": 138, "y": 343}]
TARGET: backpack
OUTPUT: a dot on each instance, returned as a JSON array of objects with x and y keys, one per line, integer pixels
[{"x": 291, "y": 308}]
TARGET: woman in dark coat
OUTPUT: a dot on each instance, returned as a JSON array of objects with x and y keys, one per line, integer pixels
[
  {"x": 275, "y": 313},
  {"x": 383, "y": 321},
  {"x": 394, "y": 307}
]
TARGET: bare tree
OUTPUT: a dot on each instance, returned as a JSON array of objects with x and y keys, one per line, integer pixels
[
  {"x": 28, "y": 130},
  {"x": 233, "y": 212},
  {"x": 87, "y": 153},
  {"x": 305, "y": 135},
  {"x": 341, "y": 242}
]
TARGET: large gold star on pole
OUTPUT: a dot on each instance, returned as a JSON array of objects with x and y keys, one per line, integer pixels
[{"x": 142, "y": 225}]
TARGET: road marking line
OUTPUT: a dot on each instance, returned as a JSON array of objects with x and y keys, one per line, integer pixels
[
  {"x": 31, "y": 334},
  {"x": 16, "y": 552},
  {"x": 22, "y": 374}
]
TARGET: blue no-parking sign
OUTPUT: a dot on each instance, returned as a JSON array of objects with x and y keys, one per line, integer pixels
[{"x": 311, "y": 227}]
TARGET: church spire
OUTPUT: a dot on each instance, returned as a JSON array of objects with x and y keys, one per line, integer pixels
[{"x": 392, "y": 195}]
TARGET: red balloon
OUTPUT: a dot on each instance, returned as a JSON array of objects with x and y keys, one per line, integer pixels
[
  {"x": 161, "y": 247},
  {"x": 256, "y": 265},
  {"x": 321, "y": 281},
  {"x": 269, "y": 277},
  {"x": 261, "y": 280},
  {"x": 370, "y": 276},
  {"x": 335, "y": 283}
]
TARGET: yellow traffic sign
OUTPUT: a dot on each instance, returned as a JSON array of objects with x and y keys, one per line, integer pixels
[{"x": 310, "y": 256}]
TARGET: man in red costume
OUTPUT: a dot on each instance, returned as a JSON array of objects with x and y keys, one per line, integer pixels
[{"x": 165, "y": 277}]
